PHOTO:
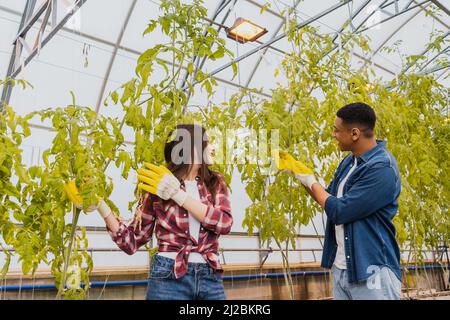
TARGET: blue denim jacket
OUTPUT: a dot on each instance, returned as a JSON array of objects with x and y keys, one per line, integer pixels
[{"x": 366, "y": 209}]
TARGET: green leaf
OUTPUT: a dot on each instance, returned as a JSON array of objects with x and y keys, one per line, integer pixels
[{"x": 115, "y": 97}]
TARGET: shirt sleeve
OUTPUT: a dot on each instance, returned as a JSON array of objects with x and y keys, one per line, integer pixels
[
  {"x": 376, "y": 189},
  {"x": 218, "y": 217},
  {"x": 139, "y": 232}
]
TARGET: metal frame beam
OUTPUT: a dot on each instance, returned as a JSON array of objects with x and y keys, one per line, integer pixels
[
  {"x": 438, "y": 19},
  {"x": 384, "y": 4},
  {"x": 422, "y": 54},
  {"x": 51, "y": 34},
  {"x": 281, "y": 36},
  {"x": 222, "y": 5},
  {"x": 45, "y": 8},
  {"x": 114, "y": 54},
  {"x": 126, "y": 49},
  {"x": 395, "y": 15},
  {"x": 350, "y": 19},
  {"x": 421, "y": 70},
  {"x": 441, "y": 6},
  {"x": 7, "y": 89},
  {"x": 260, "y": 58},
  {"x": 374, "y": 52}
]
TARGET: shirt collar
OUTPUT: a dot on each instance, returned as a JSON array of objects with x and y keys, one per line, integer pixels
[
  {"x": 197, "y": 178},
  {"x": 369, "y": 154}
]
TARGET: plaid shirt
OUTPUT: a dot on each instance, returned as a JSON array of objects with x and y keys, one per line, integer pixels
[{"x": 171, "y": 224}]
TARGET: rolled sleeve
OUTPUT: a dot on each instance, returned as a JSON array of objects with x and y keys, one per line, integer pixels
[
  {"x": 218, "y": 218},
  {"x": 376, "y": 189},
  {"x": 131, "y": 238}
]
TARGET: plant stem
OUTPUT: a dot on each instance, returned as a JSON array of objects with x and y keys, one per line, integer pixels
[
  {"x": 287, "y": 271},
  {"x": 68, "y": 251}
]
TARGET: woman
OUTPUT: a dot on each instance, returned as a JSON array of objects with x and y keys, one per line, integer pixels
[{"x": 187, "y": 205}]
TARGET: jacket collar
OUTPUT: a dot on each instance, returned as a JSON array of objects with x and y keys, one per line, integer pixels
[{"x": 369, "y": 154}]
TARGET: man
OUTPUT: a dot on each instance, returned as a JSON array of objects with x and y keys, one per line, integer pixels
[{"x": 360, "y": 203}]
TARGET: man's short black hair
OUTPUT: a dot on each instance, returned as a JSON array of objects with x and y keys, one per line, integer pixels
[{"x": 359, "y": 114}]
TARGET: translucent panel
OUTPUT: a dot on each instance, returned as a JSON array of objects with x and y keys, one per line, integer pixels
[
  {"x": 104, "y": 18},
  {"x": 17, "y": 5},
  {"x": 62, "y": 58},
  {"x": 239, "y": 242},
  {"x": 264, "y": 76},
  {"x": 318, "y": 222},
  {"x": 8, "y": 27},
  {"x": 142, "y": 14}
]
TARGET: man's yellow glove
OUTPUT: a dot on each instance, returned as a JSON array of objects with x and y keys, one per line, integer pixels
[
  {"x": 284, "y": 161},
  {"x": 160, "y": 181},
  {"x": 75, "y": 197}
]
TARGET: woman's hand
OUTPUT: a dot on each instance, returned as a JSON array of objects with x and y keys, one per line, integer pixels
[
  {"x": 75, "y": 197},
  {"x": 160, "y": 181}
]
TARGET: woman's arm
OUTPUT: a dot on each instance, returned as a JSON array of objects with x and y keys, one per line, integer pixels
[
  {"x": 217, "y": 217},
  {"x": 131, "y": 238},
  {"x": 112, "y": 223},
  {"x": 196, "y": 208}
]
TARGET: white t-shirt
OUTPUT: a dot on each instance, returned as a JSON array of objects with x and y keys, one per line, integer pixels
[
  {"x": 194, "y": 224},
  {"x": 340, "y": 260}
]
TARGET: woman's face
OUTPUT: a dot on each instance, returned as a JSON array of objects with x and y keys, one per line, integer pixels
[{"x": 208, "y": 153}]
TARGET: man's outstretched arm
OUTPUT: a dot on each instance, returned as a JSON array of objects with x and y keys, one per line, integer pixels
[{"x": 318, "y": 193}]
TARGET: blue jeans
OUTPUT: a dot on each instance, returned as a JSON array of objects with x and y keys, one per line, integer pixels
[
  {"x": 199, "y": 283},
  {"x": 383, "y": 284}
]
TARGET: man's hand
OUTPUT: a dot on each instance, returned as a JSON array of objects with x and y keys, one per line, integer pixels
[
  {"x": 285, "y": 161},
  {"x": 161, "y": 182},
  {"x": 75, "y": 197}
]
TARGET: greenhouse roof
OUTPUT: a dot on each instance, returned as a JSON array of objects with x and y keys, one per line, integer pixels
[{"x": 95, "y": 51}]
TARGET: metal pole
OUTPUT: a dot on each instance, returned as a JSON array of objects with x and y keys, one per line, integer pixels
[
  {"x": 281, "y": 36},
  {"x": 113, "y": 56},
  {"x": 7, "y": 89},
  {"x": 373, "y": 53},
  {"x": 396, "y": 15},
  {"x": 441, "y": 6},
  {"x": 52, "y": 33}
]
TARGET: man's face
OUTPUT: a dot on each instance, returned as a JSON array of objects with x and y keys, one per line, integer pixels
[{"x": 343, "y": 135}]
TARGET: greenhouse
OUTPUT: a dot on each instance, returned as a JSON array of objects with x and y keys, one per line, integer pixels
[{"x": 225, "y": 149}]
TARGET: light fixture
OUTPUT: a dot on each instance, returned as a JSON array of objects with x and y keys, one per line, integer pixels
[{"x": 244, "y": 30}]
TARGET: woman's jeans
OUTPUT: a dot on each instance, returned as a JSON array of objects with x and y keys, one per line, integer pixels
[
  {"x": 199, "y": 283},
  {"x": 382, "y": 285}
]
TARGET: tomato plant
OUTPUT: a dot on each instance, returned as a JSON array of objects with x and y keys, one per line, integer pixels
[{"x": 299, "y": 114}]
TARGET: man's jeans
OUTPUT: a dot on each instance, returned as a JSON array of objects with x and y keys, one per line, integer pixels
[
  {"x": 382, "y": 285},
  {"x": 199, "y": 283}
]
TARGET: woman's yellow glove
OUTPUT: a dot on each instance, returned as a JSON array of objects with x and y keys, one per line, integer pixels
[
  {"x": 74, "y": 196},
  {"x": 284, "y": 161},
  {"x": 160, "y": 181}
]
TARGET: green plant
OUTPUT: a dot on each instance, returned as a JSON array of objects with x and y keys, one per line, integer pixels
[
  {"x": 153, "y": 108},
  {"x": 83, "y": 143},
  {"x": 301, "y": 112},
  {"x": 13, "y": 176}
]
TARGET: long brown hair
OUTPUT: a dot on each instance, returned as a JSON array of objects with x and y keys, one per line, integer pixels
[{"x": 181, "y": 166}]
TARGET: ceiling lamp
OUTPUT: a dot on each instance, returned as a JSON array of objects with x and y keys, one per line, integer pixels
[{"x": 244, "y": 30}]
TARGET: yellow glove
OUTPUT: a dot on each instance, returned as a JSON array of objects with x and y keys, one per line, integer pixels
[
  {"x": 160, "y": 181},
  {"x": 284, "y": 161},
  {"x": 73, "y": 194},
  {"x": 75, "y": 197}
]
